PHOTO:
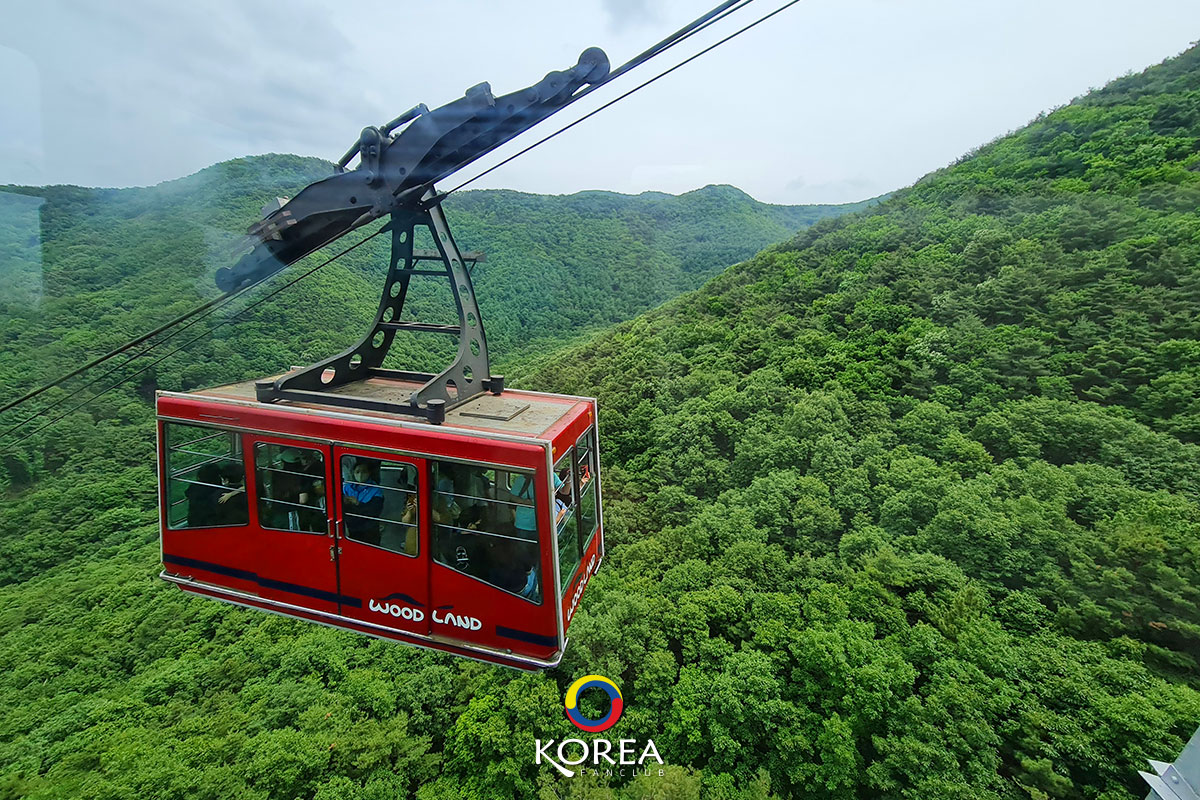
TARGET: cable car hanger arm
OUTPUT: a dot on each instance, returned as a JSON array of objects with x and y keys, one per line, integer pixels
[
  {"x": 397, "y": 170},
  {"x": 395, "y": 176}
]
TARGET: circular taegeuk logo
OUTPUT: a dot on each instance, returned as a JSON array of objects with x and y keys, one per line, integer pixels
[{"x": 616, "y": 704}]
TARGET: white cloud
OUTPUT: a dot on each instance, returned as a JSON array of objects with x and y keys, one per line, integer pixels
[
  {"x": 624, "y": 15},
  {"x": 853, "y": 95}
]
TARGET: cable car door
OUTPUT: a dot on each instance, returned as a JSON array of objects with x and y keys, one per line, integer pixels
[
  {"x": 294, "y": 545},
  {"x": 382, "y": 564},
  {"x": 488, "y": 585}
]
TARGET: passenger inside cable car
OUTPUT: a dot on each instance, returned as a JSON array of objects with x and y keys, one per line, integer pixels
[
  {"x": 479, "y": 526},
  {"x": 234, "y": 510},
  {"x": 207, "y": 485},
  {"x": 203, "y": 496}
]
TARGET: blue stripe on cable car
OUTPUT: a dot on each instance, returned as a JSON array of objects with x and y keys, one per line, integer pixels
[
  {"x": 266, "y": 583},
  {"x": 526, "y": 636}
]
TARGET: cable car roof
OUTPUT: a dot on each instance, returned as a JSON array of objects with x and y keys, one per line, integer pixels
[{"x": 514, "y": 414}]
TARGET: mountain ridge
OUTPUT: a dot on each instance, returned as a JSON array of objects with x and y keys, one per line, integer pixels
[
  {"x": 83, "y": 241},
  {"x": 274, "y": 168}
]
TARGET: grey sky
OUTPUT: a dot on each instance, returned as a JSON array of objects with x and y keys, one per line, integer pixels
[{"x": 831, "y": 101}]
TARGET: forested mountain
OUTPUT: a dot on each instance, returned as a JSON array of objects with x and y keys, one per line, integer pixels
[
  {"x": 556, "y": 265},
  {"x": 85, "y": 270},
  {"x": 909, "y": 506},
  {"x": 905, "y": 507}
]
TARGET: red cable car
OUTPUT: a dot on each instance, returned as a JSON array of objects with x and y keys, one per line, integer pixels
[
  {"x": 440, "y": 510},
  {"x": 476, "y": 536}
]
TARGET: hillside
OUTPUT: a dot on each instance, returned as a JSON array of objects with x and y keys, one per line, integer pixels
[
  {"x": 914, "y": 497},
  {"x": 905, "y": 507},
  {"x": 556, "y": 266},
  {"x": 85, "y": 270}
]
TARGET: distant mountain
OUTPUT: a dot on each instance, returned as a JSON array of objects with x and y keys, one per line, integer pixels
[
  {"x": 86, "y": 268},
  {"x": 562, "y": 264}
]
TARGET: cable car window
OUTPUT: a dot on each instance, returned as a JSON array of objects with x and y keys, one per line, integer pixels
[
  {"x": 379, "y": 503},
  {"x": 205, "y": 478},
  {"x": 583, "y": 459},
  {"x": 291, "y": 488},
  {"x": 485, "y": 526},
  {"x": 566, "y": 522},
  {"x": 589, "y": 516}
]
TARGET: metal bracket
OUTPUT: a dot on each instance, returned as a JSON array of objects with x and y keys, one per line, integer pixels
[
  {"x": 466, "y": 377},
  {"x": 370, "y": 144},
  {"x": 1178, "y": 781}
]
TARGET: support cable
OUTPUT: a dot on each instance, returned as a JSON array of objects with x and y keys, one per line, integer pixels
[
  {"x": 718, "y": 13},
  {"x": 182, "y": 347},
  {"x": 620, "y": 97}
]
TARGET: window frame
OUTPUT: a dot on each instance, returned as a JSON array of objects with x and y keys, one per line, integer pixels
[
  {"x": 593, "y": 483},
  {"x": 569, "y": 459},
  {"x": 237, "y": 452},
  {"x": 416, "y": 492},
  {"x": 510, "y": 474},
  {"x": 261, "y": 497}
]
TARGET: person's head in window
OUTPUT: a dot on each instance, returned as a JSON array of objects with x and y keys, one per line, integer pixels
[
  {"x": 310, "y": 462},
  {"x": 445, "y": 478},
  {"x": 406, "y": 480},
  {"x": 366, "y": 471},
  {"x": 232, "y": 475},
  {"x": 209, "y": 474}
]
